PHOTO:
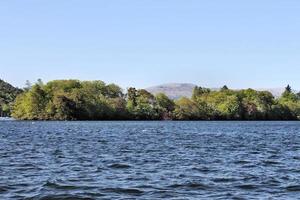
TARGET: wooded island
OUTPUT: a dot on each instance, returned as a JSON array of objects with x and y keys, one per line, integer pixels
[{"x": 95, "y": 100}]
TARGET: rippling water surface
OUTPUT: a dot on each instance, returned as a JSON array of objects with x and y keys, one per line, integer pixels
[{"x": 149, "y": 160}]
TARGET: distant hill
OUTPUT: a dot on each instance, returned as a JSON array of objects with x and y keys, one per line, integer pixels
[
  {"x": 8, "y": 94},
  {"x": 173, "y": 90},
  {"x": 177, "y": 90}
]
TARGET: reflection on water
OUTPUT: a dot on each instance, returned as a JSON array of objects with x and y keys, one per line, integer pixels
[{"x": 149, "y": 160}]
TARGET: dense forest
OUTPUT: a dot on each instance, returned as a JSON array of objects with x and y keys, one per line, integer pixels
[
  {"x": 8, "y": 94},
  {"x": 95, "y": 100}
]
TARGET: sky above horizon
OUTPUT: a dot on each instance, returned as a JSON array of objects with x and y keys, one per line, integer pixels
[{"x": 142, "y": 43}]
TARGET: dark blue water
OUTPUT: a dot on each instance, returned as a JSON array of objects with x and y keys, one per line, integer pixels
[{"x": 149, "y": 160}]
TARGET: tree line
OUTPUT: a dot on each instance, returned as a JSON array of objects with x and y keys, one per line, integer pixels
[{"x": 95, "y": 100}]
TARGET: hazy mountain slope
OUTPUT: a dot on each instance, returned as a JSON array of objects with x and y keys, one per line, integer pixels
[
  {"x": 275, "y": 91},
  {"x": 173, "y": 90}
]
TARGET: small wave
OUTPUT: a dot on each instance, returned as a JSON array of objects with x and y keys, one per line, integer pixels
[
  {"x": 197, "y": 186},
  {"x": 249, "y": 166},
  {"x": 67, "y": 187},
  {"x": 270, "y": 162},
  {"x": 119, "y": 166},
  {"x": 238, "y": 198},
  {"x": 99, "y": 169},
  {"x": 296, "y": 157},
  {"x": 59, "y": 197},
  {"x": 27, "y": 167},
  {"x": 201, "y": 169},
  {"x": 4, "y": 189},
  {"x": 191, "y": 185},
  {"x": 271, "y": 182},
  {"x": 102, "y": 141},
  {"x": 60, "y": 187},
  {"x": 247, "y": 187},
  {"x": 242, "y": 162},
  {"x": 129, "y": 191},
  {"x": 293, "y": 188},
  {"x": 224, "y": 180}
]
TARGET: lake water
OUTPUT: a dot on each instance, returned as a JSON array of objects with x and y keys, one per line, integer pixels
[{"x": 149, "y": 160}]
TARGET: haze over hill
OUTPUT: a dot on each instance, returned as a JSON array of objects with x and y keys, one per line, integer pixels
[{"x": 177, "y": 90}]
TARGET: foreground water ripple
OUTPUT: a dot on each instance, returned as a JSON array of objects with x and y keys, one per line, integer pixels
[{"x": 149, "y": 160}]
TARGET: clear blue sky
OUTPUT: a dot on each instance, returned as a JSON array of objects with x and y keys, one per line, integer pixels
[{"x": 241, "y": 43}]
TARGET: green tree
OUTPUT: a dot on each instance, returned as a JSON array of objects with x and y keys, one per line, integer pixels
[
  {"x": 113, "y": 91},
  {"x": 257, "y": 105},
  {"x": 198, "y": 91},
  {"x": 288, "y": 94},
  {"x": 61, "y": 108},
  {"x": 40, "y": 82},
  {"x": 28, "y": 85},
  {"x": 31, "y": 105},
  {"x": 224, "y": 88},
  {"x": 166, "y": 105},
  {"x": 186, "y": 109},
  {"x": 164, "y": 102},
  {"x": 291, "y": 101},
  {"x": 142, "y": 105},
  {"x": 132, "y": 96}
]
